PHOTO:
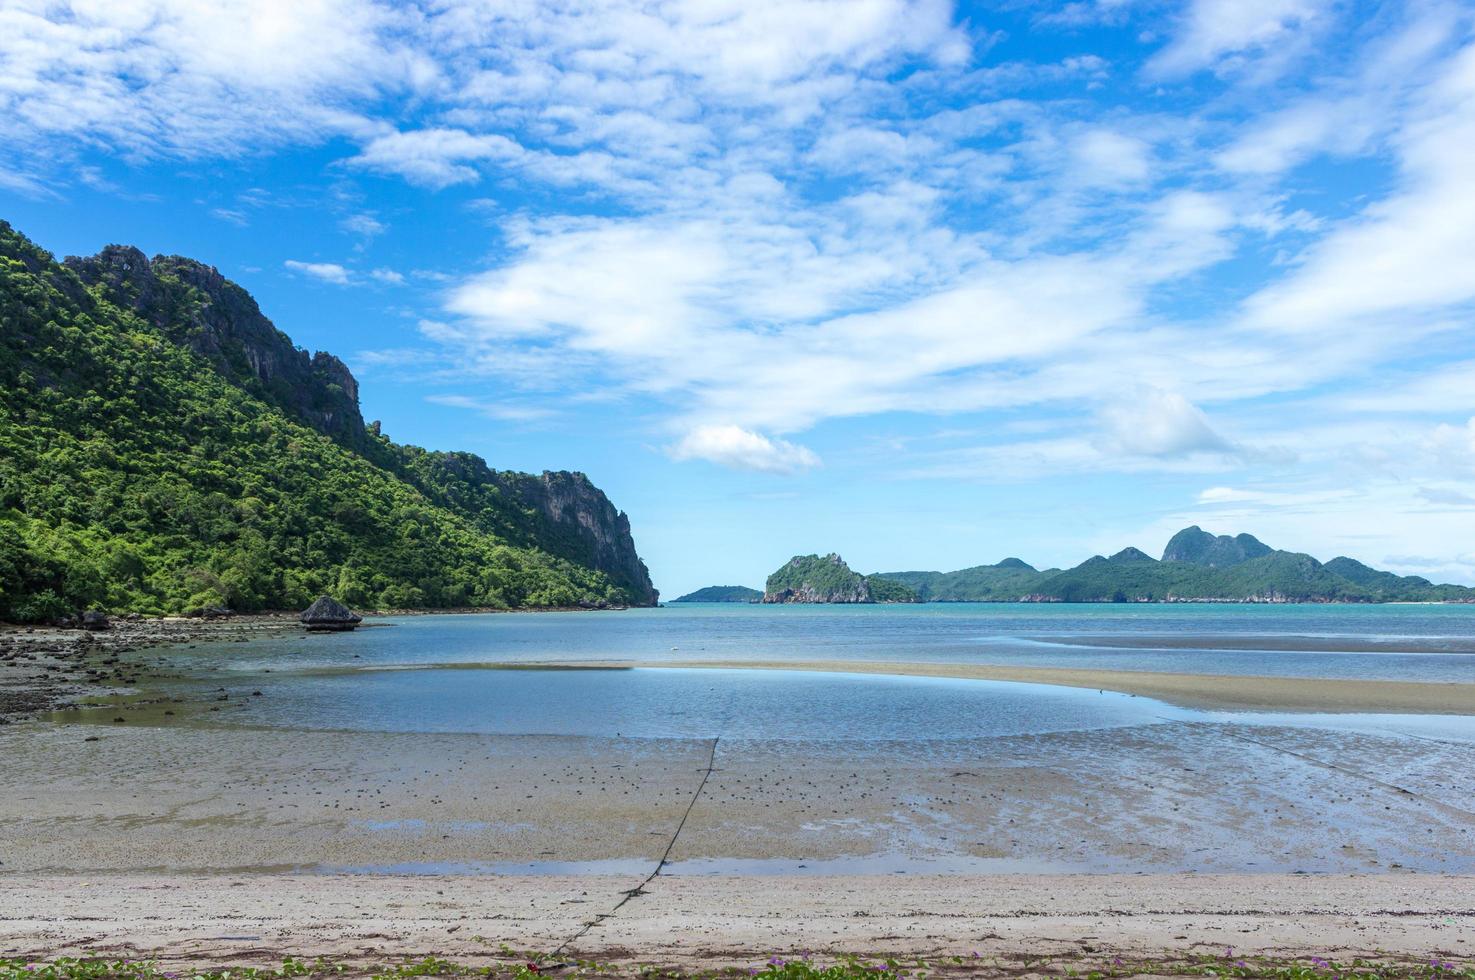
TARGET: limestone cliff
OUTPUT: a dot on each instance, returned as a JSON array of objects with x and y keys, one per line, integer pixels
[
  {"x": 560, "y": 512},
  {"x": 193, "y": 304}
]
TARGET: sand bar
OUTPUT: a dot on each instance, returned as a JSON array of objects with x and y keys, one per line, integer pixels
[{"x": 1210, "y": 691}]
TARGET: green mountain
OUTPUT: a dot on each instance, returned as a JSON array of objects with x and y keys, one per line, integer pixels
[
  {"x": 722, "y": 593},
  {"x": 1196, "y": 565},
  {"x": 164, "y": 447},
  {"x": 1388, "y": 587},
  {"x": 812, "y": 579}
]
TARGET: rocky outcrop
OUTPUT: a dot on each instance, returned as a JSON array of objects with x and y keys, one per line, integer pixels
[
  {"x": 330, "y": 616},
  {"x": 810, "y": 578},
  {"x": 193, "y": 304}
]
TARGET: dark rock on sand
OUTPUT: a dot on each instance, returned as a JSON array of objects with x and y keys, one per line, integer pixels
[{"x": 94, "y": 619}]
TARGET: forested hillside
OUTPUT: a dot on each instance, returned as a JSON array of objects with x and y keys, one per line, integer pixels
[{"x": 163, "y": 448}]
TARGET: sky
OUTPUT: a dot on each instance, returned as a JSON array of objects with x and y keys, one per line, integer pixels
[{"x": 927, "y": 284}]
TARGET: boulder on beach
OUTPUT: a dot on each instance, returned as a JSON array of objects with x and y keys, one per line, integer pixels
[
  {"x": 330, "y": 614},
  {"x": 94, "y": 619}
]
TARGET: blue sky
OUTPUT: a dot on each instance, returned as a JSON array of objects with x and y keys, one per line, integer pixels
[{"x": 926, "y": 284}]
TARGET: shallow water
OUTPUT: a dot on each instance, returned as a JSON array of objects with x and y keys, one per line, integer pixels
[
  {"x": 687, "y": 703},
  {"x": 1397, "y": 642}
]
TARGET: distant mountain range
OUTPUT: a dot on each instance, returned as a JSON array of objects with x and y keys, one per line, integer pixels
[
  {"x": 1196, "y": 567},
  {"x": 722, "y": 593}
]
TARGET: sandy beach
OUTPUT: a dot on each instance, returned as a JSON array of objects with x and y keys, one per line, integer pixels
[{"x": 687, "y": 923}]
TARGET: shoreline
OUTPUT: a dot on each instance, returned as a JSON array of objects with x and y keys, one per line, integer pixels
[
  {"x": 1202, "y": 691},
  {"x": 47, "y": 668}
]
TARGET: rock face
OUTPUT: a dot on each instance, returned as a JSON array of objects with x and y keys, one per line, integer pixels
[
  {"x": 1199, "y": 547},
  {"x": 562, "y": 513},
  {"x": 193, "y": 304},
  {"x": 94, "y": 619},
  {"x": 329, "y": 615},
  {"x": 597, "y": 534}
]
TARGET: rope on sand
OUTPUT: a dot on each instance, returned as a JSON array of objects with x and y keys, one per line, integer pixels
[{"x": 639, "y": 889}]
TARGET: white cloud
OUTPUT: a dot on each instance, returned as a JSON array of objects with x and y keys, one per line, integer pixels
[
  {"x": 435, "y": 158},
  {"x": 740, "y": 449},
  {"x": 1154, "y": 422},
  {"x": 1406, "y": 253},
  {"x": 1211, "y": 30},
  {"x": 388, "y": 276},
  {"x": 24, "y": 184},
  {"x": 501, "y": 411},
  {"x": 192, "y": 79},
  {"x": 363, "y": 225},
  {"x": 1107, "y": 158},
  {"x": 324, "y": 271}
]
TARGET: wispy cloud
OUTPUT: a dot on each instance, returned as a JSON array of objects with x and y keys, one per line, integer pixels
[{"x": 323, "y": 271}]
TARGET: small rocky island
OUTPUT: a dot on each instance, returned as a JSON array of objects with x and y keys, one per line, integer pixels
[{"x": 810, "y": 578}]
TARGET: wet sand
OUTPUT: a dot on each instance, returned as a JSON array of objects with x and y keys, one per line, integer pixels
[
  {"x": 1162, "y": 798},
  {"x": 188, "y": 921},
  {"x": 1209, "y": 691}
]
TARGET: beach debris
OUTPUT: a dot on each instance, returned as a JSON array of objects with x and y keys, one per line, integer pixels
[{"x": 329, "y": 615}]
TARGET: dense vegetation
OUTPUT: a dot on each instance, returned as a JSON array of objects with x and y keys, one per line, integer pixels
[
  {"x": 1195, "y": 565},
  {"x": 722, "y": 593},
  {"x": 137, "y": 475},
  {"x": 810, "y": 578}
]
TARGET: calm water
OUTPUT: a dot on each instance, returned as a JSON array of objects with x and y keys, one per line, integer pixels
[
  {"x": 1405, "y": 642},
  {"x": 452, "y": 673}
]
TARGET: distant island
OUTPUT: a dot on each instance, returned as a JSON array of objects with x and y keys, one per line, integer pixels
[
  {"x": 810, "y": 578},
  {"x": 164, "y": 448},
  {"x": 1196, "y": 566},
  {"x": 722, "y": 593}
]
